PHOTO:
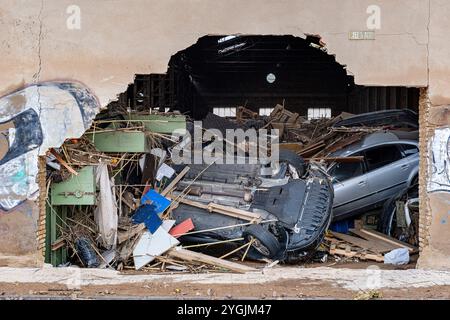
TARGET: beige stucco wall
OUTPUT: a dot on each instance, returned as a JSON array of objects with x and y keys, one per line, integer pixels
[{"x": 119, "y": 38}]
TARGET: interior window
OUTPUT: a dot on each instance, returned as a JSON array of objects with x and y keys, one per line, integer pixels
[
  {"x": 345, "y": 171},
  {"x": 381, "y": 156},
  {"x": 409, "y": 149}
]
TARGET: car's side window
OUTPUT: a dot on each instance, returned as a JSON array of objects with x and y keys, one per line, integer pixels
[
  {"x": 382, "y": 156},
  {"x": 409, "y": 149},
  {"x": 344, "y": 171}
]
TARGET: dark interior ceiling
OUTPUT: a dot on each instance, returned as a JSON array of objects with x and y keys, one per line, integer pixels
[{"x": 231, "y": 71}]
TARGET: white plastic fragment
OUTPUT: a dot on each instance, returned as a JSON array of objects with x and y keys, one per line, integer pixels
[
  {"x": 106, "y": 212},
  {"x": 151, "y": 245},
  {"x": 164, "y": 171},
  {"x": 397, "y": 256}
]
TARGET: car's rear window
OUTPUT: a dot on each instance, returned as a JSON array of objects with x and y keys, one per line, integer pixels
[
  {"x": 409, "y": 149},
  {"x": 382, "y": 156},
  {"x": 345, "y": 171}
]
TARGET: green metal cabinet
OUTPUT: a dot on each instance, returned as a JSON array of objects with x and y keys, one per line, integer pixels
[
  {"x": 120, "y": 141},
  {"x": 78, "y": 190}
]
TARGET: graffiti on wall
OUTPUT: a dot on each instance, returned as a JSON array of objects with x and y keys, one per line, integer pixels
[
  {"x": 32, "y": 120},
  {"x": 439, "y": 161}
]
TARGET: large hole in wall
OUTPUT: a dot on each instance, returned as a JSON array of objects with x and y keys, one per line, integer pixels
[{"x": 219, "y": 74}]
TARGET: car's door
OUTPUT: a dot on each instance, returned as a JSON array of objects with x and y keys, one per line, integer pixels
[
  {"x": 350, "y": 188},
  {"x": 411, "y": 153},
  {"x": 387, "y": 172}
]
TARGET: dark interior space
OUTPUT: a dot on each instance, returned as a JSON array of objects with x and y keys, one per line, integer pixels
[{"x": 260, "y": 72}]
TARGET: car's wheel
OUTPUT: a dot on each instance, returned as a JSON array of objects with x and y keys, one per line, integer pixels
[
  {"x": 263, "y": 240},
  {"x": 414, "y": 181},
  {"x": 388, "y": 219},
  {"x": 387, "y": 216},
  {"x": 294, "y": 160}
]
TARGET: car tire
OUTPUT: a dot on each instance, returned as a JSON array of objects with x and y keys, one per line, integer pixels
[
  {"x": 265, "y": 243},
  {"x": 387, "y": 216},
  {"x": 294, "y": 160}
]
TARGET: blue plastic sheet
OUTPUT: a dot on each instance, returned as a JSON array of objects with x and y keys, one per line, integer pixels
[{"x": 152, "y": 205}]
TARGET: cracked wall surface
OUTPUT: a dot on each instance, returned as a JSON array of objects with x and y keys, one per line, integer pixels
[{"x": 117, "y": 39}]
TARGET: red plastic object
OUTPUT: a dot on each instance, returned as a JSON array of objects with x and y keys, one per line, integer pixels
[{"x": 182, "y": 228}]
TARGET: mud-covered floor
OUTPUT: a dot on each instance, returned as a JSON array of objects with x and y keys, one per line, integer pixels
[{"x": 285, "y": 289}]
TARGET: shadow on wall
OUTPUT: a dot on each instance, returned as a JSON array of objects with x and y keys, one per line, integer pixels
[{"x": 32, "y": 120}]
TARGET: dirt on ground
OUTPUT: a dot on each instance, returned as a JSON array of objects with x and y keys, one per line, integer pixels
[
  {"x": 285, "y": 289},
  {"x": 282, "y": 289}
]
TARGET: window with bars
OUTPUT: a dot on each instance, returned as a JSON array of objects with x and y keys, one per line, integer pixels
[
  {"x": 265, "y": 111},
  {"x": 225, "y": 112},
  {"x": 318, "y": 113}
]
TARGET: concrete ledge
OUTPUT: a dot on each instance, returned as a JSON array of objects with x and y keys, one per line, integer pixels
[{"x": 350, "y": 279}]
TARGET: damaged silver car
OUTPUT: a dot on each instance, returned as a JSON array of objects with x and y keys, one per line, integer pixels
[{"x": 390, "y": 165}]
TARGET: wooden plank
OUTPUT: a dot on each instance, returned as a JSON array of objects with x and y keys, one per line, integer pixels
[
  {"x": 310, "y": 151},
  {"x": 384, "y": 246},
  {"x": 337, "y": 159},
  {"x": 390, "y": 240},
  {"x": 196, "y": 257},
  {"x": 294, "y": 146},
  {"x": 312, "y": 145},
  {"x": 342, "y": 143},
  {"x": 234, "y": 212},
  {"x": 123, "y": 236},
  {"x": 175, "y": 181},
  {"x": 193, "y": 203},
  {"x": 229, "y": 211},
  {"x": 59, "y": 243},
  {"x": 353, "y": 254},
  {"x": 62, "y": 162},
  {"x": 362, "y": 243}
]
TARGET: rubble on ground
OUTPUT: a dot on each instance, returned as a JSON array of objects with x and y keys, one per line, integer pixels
[{"x": 116, "y": 199}]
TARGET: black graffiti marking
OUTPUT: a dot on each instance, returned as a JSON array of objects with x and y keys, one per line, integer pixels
[
  {"x": 28, "y": 135},
  {"x": 444, "y": 171}
]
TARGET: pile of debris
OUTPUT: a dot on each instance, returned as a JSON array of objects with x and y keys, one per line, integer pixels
[
  {"x": 117, "y": 199},
  {"x": 367, "y": 244}
]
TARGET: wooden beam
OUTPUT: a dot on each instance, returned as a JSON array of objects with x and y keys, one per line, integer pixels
[
  {"x": 337, "y": 159},
  {"x": 384, "y": 246},
  {"x": 59, "y": 243},
  {"x": 196, "y": 257},
  {"x": 174, "y": 182},
  {"x": 123, "y": 236},
  {"x": 395, "y": 242},
  {"x": 225, "y": 210},
  {"x": 193, "y": 203},
  {"x": 62, "y": 162},
  {"x": 353, "y": 254},
  {"x": 234, "y": 212},
  {"x": 362, "y": 243}
]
